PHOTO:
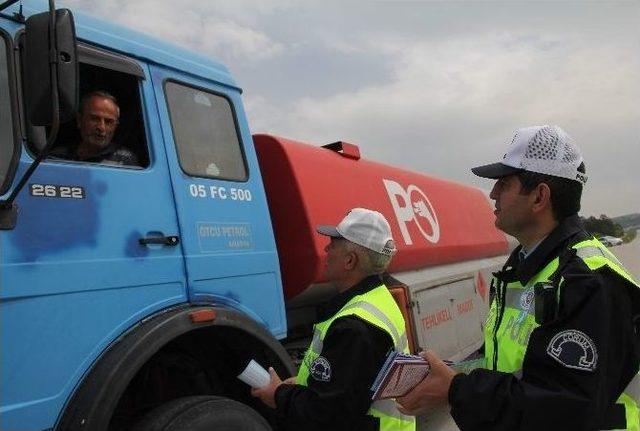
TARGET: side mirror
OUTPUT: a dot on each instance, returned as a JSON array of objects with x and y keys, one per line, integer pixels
[
  {"x": 37, "y": 75},
  {"x": 10, "y": 145}
]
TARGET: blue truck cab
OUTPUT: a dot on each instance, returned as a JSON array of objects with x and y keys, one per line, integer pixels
[{"x": 124, "y": 288}]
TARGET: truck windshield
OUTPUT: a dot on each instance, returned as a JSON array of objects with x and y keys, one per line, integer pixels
[
  {"x": 6, "y": 123},
  {"x": 205, "y": 134}
]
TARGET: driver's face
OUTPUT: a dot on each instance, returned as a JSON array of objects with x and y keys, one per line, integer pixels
[{"x": 98, "y": 122}]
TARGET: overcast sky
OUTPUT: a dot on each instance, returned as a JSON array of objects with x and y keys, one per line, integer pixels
[{"x": 435, "y": 87}]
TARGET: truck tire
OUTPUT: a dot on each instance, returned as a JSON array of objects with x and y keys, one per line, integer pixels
[{"x": 202, "y": 413}]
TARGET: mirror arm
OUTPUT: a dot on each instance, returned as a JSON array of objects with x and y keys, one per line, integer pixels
[
  {"x": 17, "y": 16},
  {"x": 7, "y": 3},
  {"x": 55, "y": 126}
]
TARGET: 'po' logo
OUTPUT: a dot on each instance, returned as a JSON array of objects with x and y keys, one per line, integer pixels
[{"x": 412, "y": 205}]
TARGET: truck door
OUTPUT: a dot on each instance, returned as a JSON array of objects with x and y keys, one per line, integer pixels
[
  {"x": 73, "y": 272},
  {"x": 226, "y": 232}
]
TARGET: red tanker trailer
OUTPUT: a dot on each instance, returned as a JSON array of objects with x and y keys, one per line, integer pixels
[{"x": 445, "y": 234}]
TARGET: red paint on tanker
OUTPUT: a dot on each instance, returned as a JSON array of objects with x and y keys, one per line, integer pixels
[{"x": 433, "y": 221}]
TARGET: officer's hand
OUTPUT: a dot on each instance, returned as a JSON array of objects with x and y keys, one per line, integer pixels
[
  {"x": 267, "y": 393},
  {"x": 430, "y": 393},
  {"x": 290, "y": 380}
]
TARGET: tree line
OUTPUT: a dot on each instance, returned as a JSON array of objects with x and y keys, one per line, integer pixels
[{"x": 603, "y": 225}]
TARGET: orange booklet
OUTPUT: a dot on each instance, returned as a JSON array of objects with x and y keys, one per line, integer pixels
[{"x": 399, "y": 374}]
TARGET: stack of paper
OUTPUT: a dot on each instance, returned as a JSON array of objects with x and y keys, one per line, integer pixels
[
  {"x": 255, "y": 376},
  {"x": 399, "y": 374},
  {"x": 466, "y": 366}
]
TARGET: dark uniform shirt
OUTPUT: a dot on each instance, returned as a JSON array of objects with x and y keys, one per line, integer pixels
[
  {"x": 355, "y": 351},
  {"x": 550, "y": 395},
  {"x": 111, "y": 155}
]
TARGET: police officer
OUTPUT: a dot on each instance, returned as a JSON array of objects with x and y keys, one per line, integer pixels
[
  {"x": 356, "y": 330},
  {"x": 562, "y": 348}
]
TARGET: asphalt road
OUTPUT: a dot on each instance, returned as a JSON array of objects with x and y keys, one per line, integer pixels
[{"x": 628, "y": 254}]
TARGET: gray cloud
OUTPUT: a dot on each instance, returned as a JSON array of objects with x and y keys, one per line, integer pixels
[
  {"x": 208, "y": 28},
  {"x": 435, "y": 87}
]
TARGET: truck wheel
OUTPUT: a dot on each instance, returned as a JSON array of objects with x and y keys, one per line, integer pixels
[{"x": 202, "y": 413}]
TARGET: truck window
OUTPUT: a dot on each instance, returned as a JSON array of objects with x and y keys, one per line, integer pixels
[
  {"x": 205, "y": 134},
  {"x": 109, "y": 128},
  {"x": 7, "y": 131}
]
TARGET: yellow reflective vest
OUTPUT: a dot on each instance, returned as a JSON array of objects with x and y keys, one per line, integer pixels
[
  {"x": 505, "y": 348},
  {"x": 376, "y": 307}
]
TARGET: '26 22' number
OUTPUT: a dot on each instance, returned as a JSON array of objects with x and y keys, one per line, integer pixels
[{"x": 55, "y": 191}]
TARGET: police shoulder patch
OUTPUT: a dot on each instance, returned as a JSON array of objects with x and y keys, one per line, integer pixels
[
  {"x": 574, "y": 349},
  {"x": 320, "y": 369}
]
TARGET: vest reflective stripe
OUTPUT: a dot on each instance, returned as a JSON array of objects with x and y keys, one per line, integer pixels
[
  {"x": 519, "y": 321},
  {"x": 588, "y": 251},
  {"x": 316, "y": 342},
  {"x": 633, "y": 388},
  {"x": 378, "y": 308},
  {"x": 399, "y": 340},
  {"x": 521, "y": 300},
  {"x": 596, "y": 255}
]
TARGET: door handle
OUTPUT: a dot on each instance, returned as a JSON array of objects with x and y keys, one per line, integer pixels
[{"x": 170, "y": 240}]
